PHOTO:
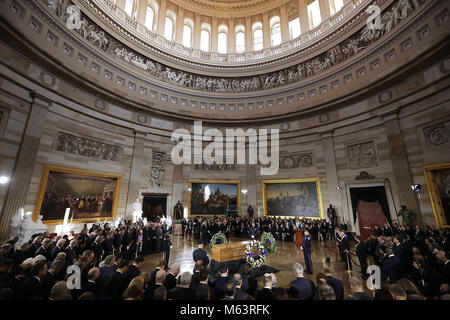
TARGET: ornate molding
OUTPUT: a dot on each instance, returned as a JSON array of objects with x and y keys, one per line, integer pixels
[
  {"x": 214, "y": 166},
  {"x": 304, "y": 160}
]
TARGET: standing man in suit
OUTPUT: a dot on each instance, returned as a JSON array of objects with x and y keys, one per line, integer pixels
[
  {"x": 43, "y": 250},
  {"x": 266, "y": 292},
  {"x": 58, "y": 248},
  {"x": 133, "y": 270},
  {"x": 344, "y": 250},
  {"x": 160, "y": 278},
  {"x": 166, "y": 245},
  {"x": 361, "y": 252},
  {"x": 391, "y": 266},
  {"x": 160, "y": 266},
  {"x": 182, "y": 291},
  {"x": 306, "y": 247},
  {"x": 304, "y": 286},
  {"x": 171, "y": 278},
  {"x": 230, "y": 290},
  {"x": 33, "y": 287},
  {"x": 71, "y": 254},
  {"x": 239, "y": 294},
  {"x": 357, "y": 289},
  {"x": 204, "y": 232},
  {"x": 336, "y": 284},
  {"x": 201, "y": 254},
  {"x": 220, "y": 283}
]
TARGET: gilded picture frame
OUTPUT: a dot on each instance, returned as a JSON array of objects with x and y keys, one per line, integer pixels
[
  {"x": 318, "y": 199},
  {"x": 215, "y": 182},
  {"x": 85, "y": 176},
  {"x": 433, "y": 190}
]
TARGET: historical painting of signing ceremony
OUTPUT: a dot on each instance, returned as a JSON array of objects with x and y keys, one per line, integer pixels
[
  {"x": 292, "y": 198},
  {"x": 87, "y": 196},
  {"x": 213, "y": 198}
]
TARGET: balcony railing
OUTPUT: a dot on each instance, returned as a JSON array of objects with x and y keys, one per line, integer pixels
[{"x": 158, "y": 40}]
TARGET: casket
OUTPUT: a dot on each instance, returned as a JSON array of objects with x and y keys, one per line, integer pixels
[{"x": 229, "y": 252}]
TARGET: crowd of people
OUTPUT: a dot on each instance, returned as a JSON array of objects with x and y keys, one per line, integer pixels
[{"x": 106, "y": 263}]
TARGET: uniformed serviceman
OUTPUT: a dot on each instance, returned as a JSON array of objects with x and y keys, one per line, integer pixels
[
  {"x": 200, "y": 254},
  {"x": 166, "y": 245},
  {"x": 306, "y": 247}
]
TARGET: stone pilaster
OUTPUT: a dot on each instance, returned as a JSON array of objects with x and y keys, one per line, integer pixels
[
  {"x": 334, "y": 196},
  {"x": 266, "y": 30},
  {"x": 135, "y": 172},
  {"x": 303, "y": 15},
  {"x": 161, "y": 18},
  {"x": 179, "y": 25},
  {"x": 196, "y": 31},
  {"x": 214, "y": 35},
  {"x": 284, "y": 24},
  {"x": 325, "y": 13},
  {"x": 248, "y": 34},
  {"x": 25, "y": 161},
  {"x": 231, "y": 47},
  {"x": 400, "y": 165}
]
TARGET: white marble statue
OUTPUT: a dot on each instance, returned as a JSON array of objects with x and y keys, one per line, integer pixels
[
  {"x": 29, "y": 227},
  {"x": 137, "y": 213}
]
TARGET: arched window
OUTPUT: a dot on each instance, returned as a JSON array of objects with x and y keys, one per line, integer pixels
[
  {"x": 314, "y": 17},
  {"x": 187, "y": 32},
  {"x": 294, "y": 28},
  {"x": 275, "y": 31},
  {"x": 168, "y": 29},
  {"x": 129, "y": 7},
  {"x": 205, "y": 37},
  {"x": 222, "y": 39},
  {"x": 335, "y": 6},
  {"x": 240, "y": 38},
  {"x": 149, "y": 18},
  {"x": 258, "y": 43}
]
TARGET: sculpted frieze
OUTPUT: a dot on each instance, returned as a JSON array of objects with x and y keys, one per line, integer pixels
[{"x": 390, "y": 18}]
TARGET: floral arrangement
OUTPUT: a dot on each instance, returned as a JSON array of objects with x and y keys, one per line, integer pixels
[
  {"x": 218, "y": 238},
  {"x": 269, "y": 242},
  {"x": 256, "y": 259}
]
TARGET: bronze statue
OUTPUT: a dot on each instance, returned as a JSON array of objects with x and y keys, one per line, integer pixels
[
  {"x": 407, "y": 215},
  {"x": 250, "y": 211},
  {"x": 331, "y": 213},
  {"x": 178, "y": 210}
]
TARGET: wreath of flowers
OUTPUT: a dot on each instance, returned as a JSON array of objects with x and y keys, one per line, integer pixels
[
  {"x": 269, "y": 242},
  {"x": 256, "y": 259},
  {"x": 218, "y": 238}
]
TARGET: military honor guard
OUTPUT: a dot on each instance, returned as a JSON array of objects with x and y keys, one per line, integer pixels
[
  {"x": 306, "y": 247},
  {"x": 200, "y": 253},
  {"x": 166, "y": 245}
]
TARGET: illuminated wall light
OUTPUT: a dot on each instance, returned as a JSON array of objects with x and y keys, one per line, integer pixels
[{"x": 4, "y": 179}]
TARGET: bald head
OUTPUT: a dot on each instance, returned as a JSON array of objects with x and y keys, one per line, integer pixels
[{"x": 160, "y": 276}]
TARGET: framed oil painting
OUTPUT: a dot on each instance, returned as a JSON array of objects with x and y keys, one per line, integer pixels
[
  {"x": 91, "y": 196},
  {"x": 213, "y": 197},
  {"x": 438, "y": 182},
  {"x": 292, "y": 198}
]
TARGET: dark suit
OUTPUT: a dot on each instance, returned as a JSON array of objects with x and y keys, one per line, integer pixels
[
  {"x": 47, "y": 282},
  {"x": 200, "y": 254},
  {"x": 55, "y": 252},
  {"x": 362, "y": 296},
  {"x": 337, "y": 286},
  {"x": 391, "y": 268},
  {"x": 305, "y": 288},
  {"x": 361, "y": 252},
  {"x": 91, "y": 287},
  {"x": 32, "y": 288},
  {"x": 71, "y": 254},
  {"x": 265, "y": 294},
  {"x": 306, "y": 245},
  {"x": 131, "y": 273},
  {"x": 151, "y": 291},
  {"x": 153, "y": 276},
  {"x": 219, "y": 287},
  {"x": 180, "y": 293},
  {"x": 106, "y": 273},
  {"x": 171, "y": 282},
  {"x": 240, "y": 294},
  {"x": 43, "y": 252}
]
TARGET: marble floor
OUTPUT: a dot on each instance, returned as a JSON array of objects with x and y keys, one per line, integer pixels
[{"x": 287, "y": 254}]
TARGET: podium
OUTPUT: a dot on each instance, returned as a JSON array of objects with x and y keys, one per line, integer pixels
[
  {"x": 229, "y": 252},
  {"x": 298, "y": 238}
]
